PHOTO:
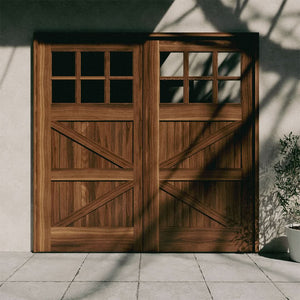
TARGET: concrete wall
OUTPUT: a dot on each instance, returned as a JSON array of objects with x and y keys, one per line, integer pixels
[{"x": 277, "y": 21}]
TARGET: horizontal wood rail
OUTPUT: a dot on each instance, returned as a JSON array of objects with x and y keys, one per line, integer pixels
[
  {"x": 92, "y": 112},
  {"x": 195, "y": 46},
  {"x": 87, "y": 143},
  {"x": 200, "y": 174},
  {"x": 91, "y": 174},
  {"x": 92, "y": 239},
  {"x": 200, "y": 112},
  {"x": 201, "y": 239}
]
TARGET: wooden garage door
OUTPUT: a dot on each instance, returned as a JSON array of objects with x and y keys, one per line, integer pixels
[
  {"x": 145, "y": 146},
  {"x": 88, "y": 143}
]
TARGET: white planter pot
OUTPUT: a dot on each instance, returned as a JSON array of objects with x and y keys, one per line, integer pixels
[{"x": 293, "y": 236}]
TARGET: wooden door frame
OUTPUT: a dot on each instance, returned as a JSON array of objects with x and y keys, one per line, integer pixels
[{"x": 149, "y": 45}]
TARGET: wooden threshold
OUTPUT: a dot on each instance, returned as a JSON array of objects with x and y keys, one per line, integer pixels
[
  {"x": 202, "y": 240},
  {"x": 89, "y": 239}
]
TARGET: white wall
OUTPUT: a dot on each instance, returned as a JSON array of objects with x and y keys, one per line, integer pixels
[{"x": 275, "y": 20}]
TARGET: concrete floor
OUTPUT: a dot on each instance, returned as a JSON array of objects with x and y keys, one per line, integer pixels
[{"x": 147, "y": 276}]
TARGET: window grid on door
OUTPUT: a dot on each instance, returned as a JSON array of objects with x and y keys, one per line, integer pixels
[
  {"x": 221, "y": 84},
  {"x": 73, "y": 82}
]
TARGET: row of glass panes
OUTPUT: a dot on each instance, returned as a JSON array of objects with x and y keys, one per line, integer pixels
[
  {"x": 171, "y": 91},
  {"x": 92, "y": 91},
  {"x": 200, "y": 91},
  {"x": 92, "y": 63},
  {"x": 171, "y": 64},
  {"x": 200, "y": 64}
]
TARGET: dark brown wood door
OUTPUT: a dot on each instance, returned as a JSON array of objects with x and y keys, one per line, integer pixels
[
  {"x": 88, "y": 148},
  {"x": 199, "y": 146},
  {"x": 147, "y": 146}
]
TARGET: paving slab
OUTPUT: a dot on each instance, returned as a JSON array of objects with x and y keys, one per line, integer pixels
[
  {"x": 169, "y": 267},
  {"x": 173, "y": 291},
  {"x": 102, "y": 290},
  {"x": 229, "y": 267},
  {"x": 110, "y": 267},
  {"x": 11, "y": 261},
  {"x": 244, "y": 291},
  {"x": 278, "y": 268},
  {"x": 290, "y": 289},
  {"x": 50, "y": 267},
  {"x": 33, "y": 290}
]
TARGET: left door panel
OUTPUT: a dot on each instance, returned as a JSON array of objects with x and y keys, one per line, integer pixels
[{"x": 87, "y": 147}]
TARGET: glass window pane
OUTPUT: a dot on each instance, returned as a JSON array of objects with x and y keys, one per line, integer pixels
[
  {"x": 200, "y": 91},
  {"x": 121, "y": 63},
  {"x": 171, "y": 64},
  {"x": 121, "y": 91},
  {"x": 229, "y": 64},
  {"x": 63, "y": 63},
  {"x": 92, "y": 91},
  {"x": 63, "y": 91},
  {"x": 229, "y": 91},
  {"x": 200, "y": 64},
  {"x": 92, "y": 63},
  {"x": 171, "y": 91}
]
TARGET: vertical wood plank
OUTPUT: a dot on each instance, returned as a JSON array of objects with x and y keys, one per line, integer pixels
[
  {"x": 77, "y": 185},
  {"x": 186, "y": 77},
  {"x": 247, "y": 157},
  {"x": 151, "y": 146},
  {"x": 137, "y": 147},
  {"x": 42, "y": 144},
  {"x": 256, "y": 141},
  {"x": 78, "y": 72},
  {"x": 106, "y": 74},
  {"x": 215, "y": 76}
]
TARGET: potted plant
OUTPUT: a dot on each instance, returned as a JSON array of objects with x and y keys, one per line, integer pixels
[{"x": 287, "y": 182}]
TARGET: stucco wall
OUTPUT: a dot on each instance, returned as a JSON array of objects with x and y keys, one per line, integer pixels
[{"x": 275, "y": 20}]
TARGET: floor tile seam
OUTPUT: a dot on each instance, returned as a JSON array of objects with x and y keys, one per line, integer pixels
[
  {"x": 295, "y": 281},
  {"x": 237, "y": 281},
  {"x": 139, "y": 278},
  {"x": 68, "y": 287},
  {"x": 269, "y": 278},
  {"x": 147, "y": 281},
  {"x": 174, "y": 281},
  {"x": 29, "y": 258},
  {"x": 197, "y": 262}
]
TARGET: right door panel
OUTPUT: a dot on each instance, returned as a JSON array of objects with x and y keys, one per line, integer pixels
[{"x": 205, "y": 148}]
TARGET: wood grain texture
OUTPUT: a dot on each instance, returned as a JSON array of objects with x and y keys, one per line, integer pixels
[
  {"x": 256, "y": 141},
  {"x": 138, "y": 146},
  {"x": 204, "y": 155},
  {"x": 247, "y": 149},
  {"x": 215, "y": 76},
  {"x": 200, "y": 174},
  {"x": 91, "y": 174},
  {"x": 116, "y": 137},
  {"x": 66, "y": 239},
  {"x": 87, "y": 143},
  {"x": 200, "y": 112},
  {"x": 201, "y": 144},
  {"x": 194, "y": 203},
  {"x": 151, "y": 146},
  {"x": 94, "y": 204},
  {"x": 42, "y": 142},
  {"x": 201, "y": 240},
  {"x": 92, "y": 112}
]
